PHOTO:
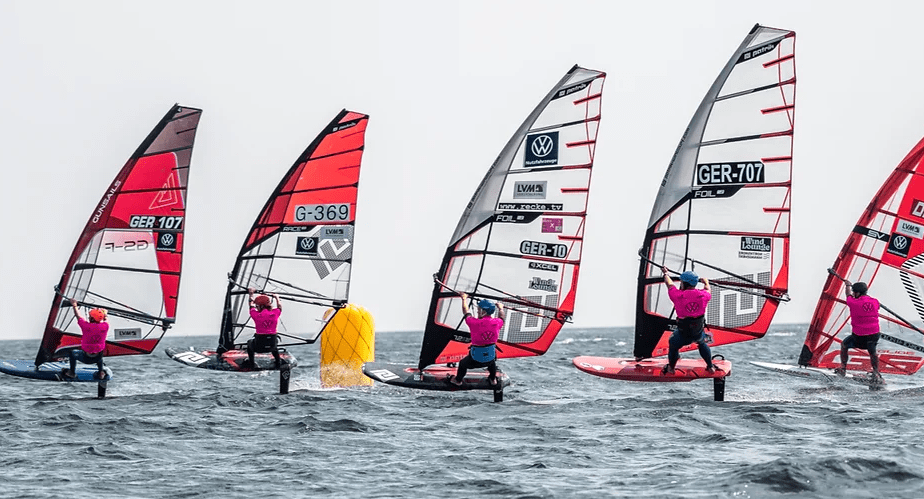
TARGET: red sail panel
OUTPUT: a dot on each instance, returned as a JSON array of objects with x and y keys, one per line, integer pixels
[
  {"x": 128, "y": 258},
  {"x": 886, "y": 251},
  {"x": 519, "y": 241},
  {"x": 301, "y": 244},
  {"x": 723, "y": 207}
]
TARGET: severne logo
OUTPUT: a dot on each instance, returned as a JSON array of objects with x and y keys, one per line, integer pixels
[{"x": 541, "y": 149}]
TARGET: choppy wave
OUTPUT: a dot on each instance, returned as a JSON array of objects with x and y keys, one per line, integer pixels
[{"x": 172, "y": 431}]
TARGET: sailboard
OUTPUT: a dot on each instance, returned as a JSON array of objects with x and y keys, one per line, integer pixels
[
  {"x": 300, "y": 247},
  {"x": 820, "y": 374},
  {"x": 885, "y": 249},
  {"x": 723, "y": 207},
  {"x": 649, "y": 369},
  {"x": 128, "y": 259},
  {"x": 520, "y": 238}
]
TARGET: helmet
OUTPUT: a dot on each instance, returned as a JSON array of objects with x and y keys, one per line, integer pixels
[
  {"x": 487, "y": 306},
  {"x": 860, "y": 288},
  {"x": 689, "y": 278},
  {"x": 98, "y": 314},
  {"x": 262, "y": 301}
]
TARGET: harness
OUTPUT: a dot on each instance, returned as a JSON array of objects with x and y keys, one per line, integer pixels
[
  {"x": 483, "y": 353},
  {"x": 690, "y": 325}
]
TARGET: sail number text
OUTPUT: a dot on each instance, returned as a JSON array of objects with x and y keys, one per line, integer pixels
[
  {"x": 730, "y": 173},
  {"x": 322, "y": 212},
  {"x": 154, "y": 222},
  {"x": 139, "y": 245},
  {"x": 543, "y": 249}
]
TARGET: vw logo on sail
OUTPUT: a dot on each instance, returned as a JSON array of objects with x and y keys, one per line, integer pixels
[
  {"x": 541, "y": 149},
  {"x": 166, "y": 241},
  {"x": 898, "y": 245},
  {"x": 541, "y": 146},
  {"x": 306, "y": 246}
]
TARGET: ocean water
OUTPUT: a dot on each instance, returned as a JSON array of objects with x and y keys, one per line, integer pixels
[{"x": 167, "y": 430}]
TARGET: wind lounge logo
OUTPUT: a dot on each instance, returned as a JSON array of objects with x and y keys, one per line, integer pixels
[
  {"x": 543, "y": 284},
  {"x": 166, "y": 241},
  {"x": 541, "y": 149},
  {"x": 755, "y": 248}
]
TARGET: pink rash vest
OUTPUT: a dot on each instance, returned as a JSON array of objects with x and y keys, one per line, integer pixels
[
  {"x": 93, "y": 339},
  {"x": 485, "y": 330},
  {"x": 689, "y": 302},
  {"x": 864, "y": 315},
  {"x": 265, "y": 321}
]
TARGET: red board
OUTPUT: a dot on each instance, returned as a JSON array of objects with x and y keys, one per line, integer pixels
[{"x": 630, "y": 369}]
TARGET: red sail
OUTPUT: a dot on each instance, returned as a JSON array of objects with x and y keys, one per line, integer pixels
[
  {"x": 301, "y": 245},
  {"x": 129, "y": 257},
  {"x": 886, "y": 251}
]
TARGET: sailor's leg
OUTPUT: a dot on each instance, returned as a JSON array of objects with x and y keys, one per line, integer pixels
[
  {"x": 464, "y": 365},
  {"x": 873, "y": 358},
  {"x": 74, "y": 354},
  {"x": 704, "y": 351},
  {"x": 250, "y": 351},
  {"x": 675, "y": 343},
  {"x": 274, "y": 349},
  {"x": 492, "y": 372}
]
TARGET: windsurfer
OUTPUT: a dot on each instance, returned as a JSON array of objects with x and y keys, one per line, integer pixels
[
  {"x": 92, "y": 342},
  {"x": 265, "y": 320},
  {"x": 484, "y": 330},
  {"x": 864, "y": 321},
  {"x": 690, "y": 304}
]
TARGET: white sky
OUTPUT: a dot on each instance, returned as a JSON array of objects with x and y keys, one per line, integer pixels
[{"x": 446, "y": 84}]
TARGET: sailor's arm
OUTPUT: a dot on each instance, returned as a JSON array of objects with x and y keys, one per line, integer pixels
[
  {"x": 667, "y": 278},
  {"x": 705, "y": 283},
  {"x": 278, "y": 302},
  {"x": 500, "y": 310},
  {"x": 76, "y": 310},
  {"x": 464, "y": 304},
  {"x": 848, "y": 288}
]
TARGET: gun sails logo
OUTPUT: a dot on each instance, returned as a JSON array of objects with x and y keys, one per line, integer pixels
[{"x": 541, "y": 149}]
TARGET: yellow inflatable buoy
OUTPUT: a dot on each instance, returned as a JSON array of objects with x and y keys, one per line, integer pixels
[{"x": 347, "y": 341}]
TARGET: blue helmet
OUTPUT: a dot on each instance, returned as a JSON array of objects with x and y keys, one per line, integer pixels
[
  {"x": 487, "y": 306},
  {"x": 689, "y": 278}
]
